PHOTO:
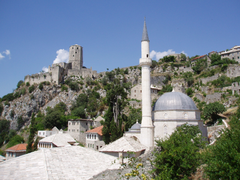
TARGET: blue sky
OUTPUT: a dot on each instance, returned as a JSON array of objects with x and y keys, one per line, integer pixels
[{"x": 35, "y": 33}]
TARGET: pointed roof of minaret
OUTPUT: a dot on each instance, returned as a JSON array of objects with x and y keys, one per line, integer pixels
[{"x": 145, "y": 33}]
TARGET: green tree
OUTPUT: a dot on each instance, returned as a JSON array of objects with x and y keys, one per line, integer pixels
[
  {"x": 20, "y": 122},
  {"x": 33, "y": 131},
  {"x": 40, "y": 86},
  {"x": 178, "y": 156},
  {"x": 31, "y": 89},
  {"x": 167, "y": 88},
  {"x": 188, "y": 77},
  {"x": 19, "y": 83},
  {"x": 200, "y": 65},
  {"x": 168, "y": 59},
  {"x": 189, "y": 92},
  {"x": 4, "y": 130},
  {"x": 154, "y": 64},
  {"x": 215, "y": 58},
  {"x": 116, "y": 100},
  {"x": 222, "y": 159},
  {"x": 79, "y": 112},
  {"x": 183, "y": 57},
  {"x": 15, "y": 140},
  {"x": 212, "y": 110},
  {"x": 1, "y": 108}
]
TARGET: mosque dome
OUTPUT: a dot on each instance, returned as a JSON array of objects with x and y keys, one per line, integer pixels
[
  {"x": 136, "y": 126},
  {"x": 174, "y": 101}
]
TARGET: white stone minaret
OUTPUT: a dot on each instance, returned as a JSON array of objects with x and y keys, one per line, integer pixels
[{"x": 147, "y": 129}]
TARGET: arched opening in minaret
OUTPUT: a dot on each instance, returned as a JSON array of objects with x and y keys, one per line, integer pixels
[{"x": 147, "y": 55}]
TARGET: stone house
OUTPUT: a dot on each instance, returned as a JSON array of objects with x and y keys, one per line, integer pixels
[
  {"x": 136, "y": 92},
  {"x": 78, "y": 127},
  {"x": 233, "y": 53},
  {"x": 94, "y": 138},
  {"x": 205, "y": 56},
  {"x": 16, "y": 151},
  {"x": 45, "y": 133},
  {"x": 56, "y": 140}
]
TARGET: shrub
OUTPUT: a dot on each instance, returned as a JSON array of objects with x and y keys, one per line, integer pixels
[
  {"x": 12, "y": 113},
  {"x": 189, "y": 92},
  {"x": 178, "y": 156},
  {"x": 74, "y": 86},
  {"x": 31, "y": 89},
  {"x": 64, "y": 88},
  {"x": 126, "y": 71},
  {"x": 15, "y": 140},
  {"x": 19, "y": 83},
  {"x": 27, "y": 84},
  {"x": 40, "y": 86}
]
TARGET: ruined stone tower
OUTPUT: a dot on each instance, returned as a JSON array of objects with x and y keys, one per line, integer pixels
[{"x": 75, "y": 59}]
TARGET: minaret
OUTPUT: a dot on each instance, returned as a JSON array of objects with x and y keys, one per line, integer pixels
[{"x": 147, "y": 131}]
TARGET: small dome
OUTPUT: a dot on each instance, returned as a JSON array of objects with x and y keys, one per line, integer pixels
[
  {"x": 136, "y": 126},
  {"x": 174, "y": 101}
]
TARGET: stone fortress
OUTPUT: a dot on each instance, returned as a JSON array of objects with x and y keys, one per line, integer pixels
[{"x": 56, "y": 72}]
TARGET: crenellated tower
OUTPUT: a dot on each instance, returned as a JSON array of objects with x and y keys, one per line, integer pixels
[{"x": 147, "y": 128}]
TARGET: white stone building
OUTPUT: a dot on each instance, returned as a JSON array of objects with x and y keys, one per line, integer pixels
[
  {"x": 78, "y": 127},
  {"x": 56, "y": 140},
  {"x": 45, "y": 133},
  {"x": 233, "y": 53},
  {"x": 94, "y": 138},
  {"x": 16, "y": 151}
]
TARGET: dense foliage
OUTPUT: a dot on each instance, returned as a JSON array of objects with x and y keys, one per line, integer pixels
[
  {"x": 4, "y": 130},
  {"x": 211, "y": 111},
  {"x": 223, "y": 158},
  {"x": 200, "y": 65},
  {"x": 178, "y": 156},
  {"x": 116, "y": 100}
]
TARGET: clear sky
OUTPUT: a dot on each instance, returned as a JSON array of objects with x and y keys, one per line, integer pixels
[{"x": 34, "y": 34}]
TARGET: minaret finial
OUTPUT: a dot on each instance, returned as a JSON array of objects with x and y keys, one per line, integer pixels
[{"x": 145, "y": 33}]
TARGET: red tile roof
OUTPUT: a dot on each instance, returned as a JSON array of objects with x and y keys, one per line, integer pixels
[
  {"x": 18, "y": 148},
  {"x": 199, "y": 57},
  {"x": 96, "y": 130}
]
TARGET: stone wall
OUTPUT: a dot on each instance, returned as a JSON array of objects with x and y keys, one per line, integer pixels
[
  {"x": 205, "y": 80},
  {"x": 210, "y": 98},
  {"x": 233, "y": 70}
]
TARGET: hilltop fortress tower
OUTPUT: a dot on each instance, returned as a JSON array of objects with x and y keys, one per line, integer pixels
[
  {"x": 56, "y": 72},
  {"x": 75, "y": 59},
  {"x": 147, "y": 128}
]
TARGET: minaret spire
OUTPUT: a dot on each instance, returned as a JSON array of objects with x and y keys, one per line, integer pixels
[{"x": 145, "y": 33}]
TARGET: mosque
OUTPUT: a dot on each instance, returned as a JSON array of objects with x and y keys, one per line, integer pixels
[{"x": 171, "y": 110}]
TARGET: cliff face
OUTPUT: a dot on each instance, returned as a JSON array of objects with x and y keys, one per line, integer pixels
[{"x": 30, "y": 103}]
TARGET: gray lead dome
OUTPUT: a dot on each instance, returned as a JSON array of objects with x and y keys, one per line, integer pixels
[{"x": 174, "y": 101}]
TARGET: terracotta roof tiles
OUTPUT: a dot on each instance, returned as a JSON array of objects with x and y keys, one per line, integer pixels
[
  {"x": 96, "y": 130},
  {"x": 17, "y": 148}
]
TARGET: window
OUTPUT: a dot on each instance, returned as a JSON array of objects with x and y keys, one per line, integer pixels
[
  {"x": 76, "y": 52},
  {"x": 135, "y": 91},
  {"x": 43, "y": 133},
  {"x": 73, "y": 55},
  {"x": 140, "y": 91},
  {"x": 39, "y": 133},
  {"x": 147, "y": 55},
  {"x": 69, "y": 123},
  {"x": 72, "y": 47}
]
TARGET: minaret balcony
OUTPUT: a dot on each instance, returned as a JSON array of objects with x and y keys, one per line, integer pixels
[{"x": 145, "y": 61}]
